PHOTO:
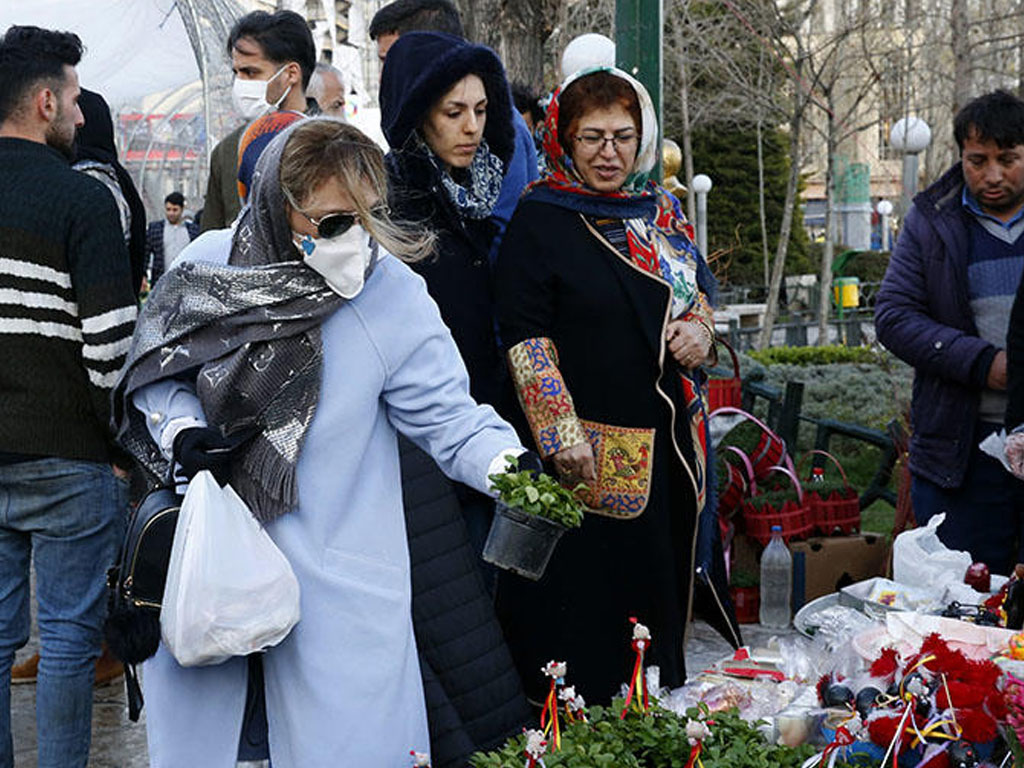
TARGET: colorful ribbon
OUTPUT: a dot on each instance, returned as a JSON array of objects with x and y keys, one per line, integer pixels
[
  {"x": 551, "y": 710},
  {"x": 843, "y": 738},
  {"x": 638, "y": 681}
]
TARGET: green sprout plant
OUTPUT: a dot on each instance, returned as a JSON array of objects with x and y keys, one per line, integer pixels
[
  {"x": 657, "y": 739},
  {"x": 539, "y": 495}
]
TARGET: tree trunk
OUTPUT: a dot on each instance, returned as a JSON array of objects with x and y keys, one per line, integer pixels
[
  {"x": 792, "y": 186},
  {"x": 521, "y": 35},
  {"x": 961, "y": 44},
  {"x": 828, "y": 252},
  {"x": 687, "y": 148},
  {"x": 760, "y": 198},
  {"x": 467, "y": 11},
  {"x": 760, "y": 172},
  {"x": 1020, "y": 55}
]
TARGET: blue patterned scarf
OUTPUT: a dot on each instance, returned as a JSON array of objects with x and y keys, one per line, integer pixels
[{"x": 486, "y": 174}]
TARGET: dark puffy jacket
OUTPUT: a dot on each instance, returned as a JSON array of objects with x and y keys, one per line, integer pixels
[
  {"x": 923, "y": 316},
  {"x": 420, "y": 68},
  {"x": 474, "y": 697}
]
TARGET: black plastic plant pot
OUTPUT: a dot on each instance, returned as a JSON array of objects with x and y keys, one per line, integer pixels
[{"x": 521, "y": 542}]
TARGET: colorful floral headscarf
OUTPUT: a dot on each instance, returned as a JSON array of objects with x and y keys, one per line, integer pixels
[
  {"x": 558, "y": 166},
  {"x": 653, "y": 216}
]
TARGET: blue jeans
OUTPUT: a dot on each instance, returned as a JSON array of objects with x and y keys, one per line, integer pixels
[
  {"x": 984, "y": 516},
  {"x": 71, "y": 516}
]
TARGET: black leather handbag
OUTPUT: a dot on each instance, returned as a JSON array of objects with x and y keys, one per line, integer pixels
[{"x": 135, "y": 586}]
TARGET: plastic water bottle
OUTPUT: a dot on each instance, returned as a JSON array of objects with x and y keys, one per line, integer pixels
[{"x": 776, "y": 582}]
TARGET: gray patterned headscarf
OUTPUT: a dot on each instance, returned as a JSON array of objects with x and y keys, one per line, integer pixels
[{"x": 249, "y": 335}]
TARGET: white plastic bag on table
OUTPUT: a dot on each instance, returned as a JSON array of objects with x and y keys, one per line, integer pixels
[
  {"x": 230, "y": 591},
  {"x": 919, "y": 559}
]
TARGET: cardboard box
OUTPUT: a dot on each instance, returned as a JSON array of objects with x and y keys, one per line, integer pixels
[{"x": 825, "y": 565}]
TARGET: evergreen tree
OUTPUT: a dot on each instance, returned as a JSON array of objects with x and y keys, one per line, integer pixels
[{"x": 729, "y": 157}]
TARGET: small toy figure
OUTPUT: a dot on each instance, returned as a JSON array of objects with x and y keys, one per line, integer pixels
[{"x": 1016, "y": 646}]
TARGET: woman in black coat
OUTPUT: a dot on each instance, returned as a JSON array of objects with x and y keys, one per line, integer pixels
[
  {"x": 603, "y": 304},
  {"x": 446, "y": 111},
  {"x": 444, "y": 174}
]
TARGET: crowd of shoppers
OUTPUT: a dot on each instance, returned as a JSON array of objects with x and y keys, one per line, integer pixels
[{"x": 397, "y": 328}]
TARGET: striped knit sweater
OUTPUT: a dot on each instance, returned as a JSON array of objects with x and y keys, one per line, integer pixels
[{"x": 67, "y": 308}]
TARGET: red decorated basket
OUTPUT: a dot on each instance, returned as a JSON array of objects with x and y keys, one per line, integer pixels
[
  {"x": 770, "y": 450},
  {"x": 726, "y": 393},
  {"x": 739, "y": 484},
  {"x": 767, "y": 509},
  {"x": 747, "y": 601},
  {"x": 835, "y": 510}
]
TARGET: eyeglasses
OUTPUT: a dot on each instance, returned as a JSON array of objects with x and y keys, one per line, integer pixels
[
  {"x": 334, "y": 224},
  {"x": 595, "y": 142}
]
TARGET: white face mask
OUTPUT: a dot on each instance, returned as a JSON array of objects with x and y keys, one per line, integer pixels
[
  {"x": 250, "y": 96},
  {"x": 341, "y": 260}
]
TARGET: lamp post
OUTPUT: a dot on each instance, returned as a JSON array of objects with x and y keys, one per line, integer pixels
[
  {"x": 638, "y": 49},
  {"x": 909, "y": 135},
  {"x": 702, "y": 185},
  {"x": 884, "y": 209}
]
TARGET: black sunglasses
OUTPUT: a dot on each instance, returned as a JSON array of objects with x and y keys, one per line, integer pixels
[{"x": 334, "y": 224}]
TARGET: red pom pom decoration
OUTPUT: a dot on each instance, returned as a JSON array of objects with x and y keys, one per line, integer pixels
[
  {"x": 885, "y": 666},
  {"x": 978, "y": 727}
]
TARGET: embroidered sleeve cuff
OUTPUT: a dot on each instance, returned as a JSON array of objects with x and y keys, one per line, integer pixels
[{"x": 544, "y": 397}]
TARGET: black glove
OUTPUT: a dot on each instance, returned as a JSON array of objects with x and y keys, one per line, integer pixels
[
  {"x": 530, "y": 462},
  {"x": 199, "y": 448}
]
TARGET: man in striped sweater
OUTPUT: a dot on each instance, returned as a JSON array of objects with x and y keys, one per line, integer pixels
[{"x": 67, "y": 310}]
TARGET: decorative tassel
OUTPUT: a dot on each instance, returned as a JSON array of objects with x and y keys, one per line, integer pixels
[
  {"x": 549, "y": 714},
  {"x": 575, "y": 711},
  {"x": 696, "y": 732},
  {"x": 897, "y": 737},
  {"x": 536, "y": 745},
  {"x": 134, "y": 693},
  {"x": 843, "y": 738},
  {"x": 638, "y": 680}
]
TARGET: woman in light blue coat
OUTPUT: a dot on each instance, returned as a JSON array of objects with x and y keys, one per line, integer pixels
[{"x": 285, "y": 356}]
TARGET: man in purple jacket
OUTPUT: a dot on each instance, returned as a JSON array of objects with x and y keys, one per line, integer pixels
[{"x": 944, "y": 307}]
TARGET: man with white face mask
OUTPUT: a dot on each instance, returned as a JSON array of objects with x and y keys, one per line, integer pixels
[{"x": 272, "y": 56}]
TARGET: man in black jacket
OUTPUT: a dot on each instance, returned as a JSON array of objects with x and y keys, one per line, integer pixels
[
  {"x": 67, "y": 311},
  {"x": 167, "y": 238}
]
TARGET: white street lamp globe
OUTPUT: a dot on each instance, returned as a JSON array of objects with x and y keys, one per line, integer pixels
[
  {"x": 884, "y": 207},
  {"x": 589, "y": 50},
  {"x": 701, "y": 183},
  {"x": 910, "y": 134}
]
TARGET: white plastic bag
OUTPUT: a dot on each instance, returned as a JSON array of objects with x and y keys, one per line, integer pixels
[
  {"x": 919, "y": 559},
  {"x": 230, "y": 591}
]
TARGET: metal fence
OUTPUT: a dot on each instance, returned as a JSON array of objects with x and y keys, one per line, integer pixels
[{"x": 798, "y": 325}]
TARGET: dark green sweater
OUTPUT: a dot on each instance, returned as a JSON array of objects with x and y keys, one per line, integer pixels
[{"x": 67, "y": 308}]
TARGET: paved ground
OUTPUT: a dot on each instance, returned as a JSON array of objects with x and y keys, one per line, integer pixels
[{"x": 119, "y": 743}]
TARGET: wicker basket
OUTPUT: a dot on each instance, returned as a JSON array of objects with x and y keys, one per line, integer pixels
[
  {"x": 726, "y": 393},
  {"x": 791, "y": 512},
  {"x": 835, "y": 508},
  {"x": 770, "y": 450},
  {"x": 739, "y": 484}
]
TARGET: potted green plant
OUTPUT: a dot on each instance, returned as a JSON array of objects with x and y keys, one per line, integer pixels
[{"x": 530, "y": 516}]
